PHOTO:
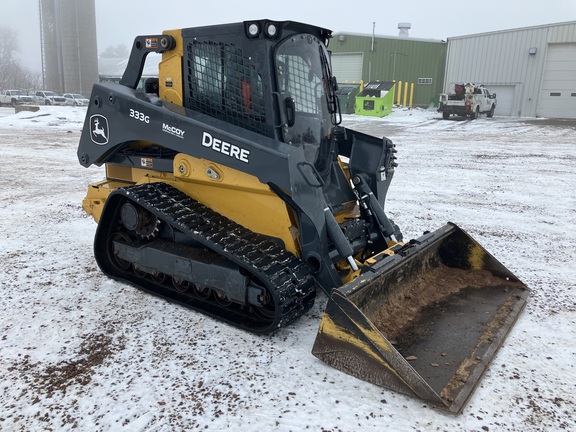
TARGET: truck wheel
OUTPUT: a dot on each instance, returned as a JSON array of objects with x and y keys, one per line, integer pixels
[
  {"x": 491, "y": 112},
  {"x": 475, "y": 114},
  {"x": 445, "y": 115}
]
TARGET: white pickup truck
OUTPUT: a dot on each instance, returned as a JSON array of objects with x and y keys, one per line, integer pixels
[
  {"x": 467, "y": 100},
  {"x": 44, "y": 97},
  {"x": 15, "y": 97}
]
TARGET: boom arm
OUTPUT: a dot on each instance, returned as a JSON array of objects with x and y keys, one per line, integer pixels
[{"x": 144, "y": 45}]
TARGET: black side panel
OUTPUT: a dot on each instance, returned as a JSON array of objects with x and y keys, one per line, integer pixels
[{"x": 118, "y": 116}]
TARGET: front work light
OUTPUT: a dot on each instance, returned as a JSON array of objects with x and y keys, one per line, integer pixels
[{"x": 253, "y": 29}]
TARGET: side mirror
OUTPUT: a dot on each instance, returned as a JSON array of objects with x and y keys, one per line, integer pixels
[{"x": 493, "y": 95}]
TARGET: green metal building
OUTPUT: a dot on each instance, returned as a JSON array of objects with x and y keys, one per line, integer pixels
[{"x": 368, "y": 58}]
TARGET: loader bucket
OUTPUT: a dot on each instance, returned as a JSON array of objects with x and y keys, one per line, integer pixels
[{"x": 425, "y": 321}]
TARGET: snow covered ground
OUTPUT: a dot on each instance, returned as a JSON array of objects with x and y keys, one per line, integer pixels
[{"x": 78, "y": 350}]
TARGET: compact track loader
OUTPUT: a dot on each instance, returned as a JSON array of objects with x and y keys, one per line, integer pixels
[{"x": 232, "y": 188}]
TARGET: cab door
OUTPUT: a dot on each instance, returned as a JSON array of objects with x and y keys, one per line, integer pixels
[{"x": 486, "y": 101}]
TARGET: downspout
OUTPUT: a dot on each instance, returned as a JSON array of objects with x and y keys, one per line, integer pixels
[{"x": 371, "y": 50}]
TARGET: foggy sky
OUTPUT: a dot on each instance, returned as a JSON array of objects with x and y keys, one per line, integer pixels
[{"x": 119, "y": 21}]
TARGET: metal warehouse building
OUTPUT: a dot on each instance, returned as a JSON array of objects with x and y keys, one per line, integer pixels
[
  {"x": 388, "y": 58},
  {"x": 532, "y": 70}
]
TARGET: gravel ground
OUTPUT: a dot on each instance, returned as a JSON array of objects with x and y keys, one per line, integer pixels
[{"x": 80, "y": 351}]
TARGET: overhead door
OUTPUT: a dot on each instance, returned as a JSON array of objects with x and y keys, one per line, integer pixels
[
  {"x": 347, "y": 67},
  {"x": 558, "y": 93},
  {"x": 505, "y": 98}
]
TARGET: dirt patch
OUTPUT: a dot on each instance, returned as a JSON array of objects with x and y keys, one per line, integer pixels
[
  {"x": 435, "y": 285},
  {"x": 560, "y": 123},
  {"x": 52, "y": 378},
  {"x": 479, "y": 352},
  {"x": 93, "y": 351},
  {"x": 447, "y": 322}
]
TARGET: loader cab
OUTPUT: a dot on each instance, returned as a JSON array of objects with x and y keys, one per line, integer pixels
[
  {"x": 269, "y": 77},
  {"x": 273, "y": 78},
  {"x": 305, "y": 91}
]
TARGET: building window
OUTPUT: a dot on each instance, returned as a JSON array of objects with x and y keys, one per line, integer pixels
[
  {"x": 424, "y": 80},
  {"x": 555, "y": 94}
]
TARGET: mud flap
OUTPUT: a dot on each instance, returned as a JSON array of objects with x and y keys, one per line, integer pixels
[{"x": 425, "y": 321}]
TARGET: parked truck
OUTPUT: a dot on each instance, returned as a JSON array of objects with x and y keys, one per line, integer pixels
[
  {"x": 15, "y": 97},
  {"x": 45, "y": 97},
  {"x": 467, "y": 100}
]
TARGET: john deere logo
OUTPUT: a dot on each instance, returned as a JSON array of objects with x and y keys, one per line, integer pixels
[{"x": 99, "y": 129}]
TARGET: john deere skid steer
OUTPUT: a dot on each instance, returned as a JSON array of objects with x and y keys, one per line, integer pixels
[{"x": 232, "y": 188}]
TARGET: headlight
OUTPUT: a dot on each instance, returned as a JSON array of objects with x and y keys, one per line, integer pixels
[
  {"x": 271, "y": 30},
  {"x": 253, "y": 30}
]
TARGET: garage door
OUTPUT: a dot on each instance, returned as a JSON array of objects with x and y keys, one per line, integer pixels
[
  {"x": 347, "y": 67},
  {"x": 558, "y": 93},
  {"x": 505, "y": 98}
]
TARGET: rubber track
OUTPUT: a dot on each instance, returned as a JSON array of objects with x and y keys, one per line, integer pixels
[{"x": 282, "y": 272}]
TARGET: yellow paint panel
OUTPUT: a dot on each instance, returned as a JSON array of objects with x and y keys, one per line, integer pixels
[
  {"x": 332, "y": 330},
  {"x": 476, "y": 257},
  {"x": 238, "y": 196},
  {"x": 170, "y": 71},
  {"x": 131, "y": 175},
  {"x": 97, "y": 195}
]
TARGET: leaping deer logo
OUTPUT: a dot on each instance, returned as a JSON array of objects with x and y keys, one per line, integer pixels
[{"x": 99, "y": 129}]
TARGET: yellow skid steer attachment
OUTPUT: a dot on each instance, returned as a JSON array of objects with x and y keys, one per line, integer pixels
[{"x": 425, "y": 321}]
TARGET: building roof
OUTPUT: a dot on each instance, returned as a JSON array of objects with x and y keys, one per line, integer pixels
[
  {"x": 115, "y": 67},
  {"x": 514, "y": 30},
  {"x": 408, "y": 38}
]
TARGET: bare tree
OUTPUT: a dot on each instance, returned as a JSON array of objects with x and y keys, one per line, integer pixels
[
  {"x": 8, "y": 45},
  {"x": 12, "y": 74},
  {"x": 118, "y": 51}
]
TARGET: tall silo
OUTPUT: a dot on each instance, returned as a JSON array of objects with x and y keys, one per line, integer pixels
[{"x": 69, "y": 52}]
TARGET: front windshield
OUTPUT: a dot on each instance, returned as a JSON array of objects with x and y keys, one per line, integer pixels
[{"x": 301, "y": 79}]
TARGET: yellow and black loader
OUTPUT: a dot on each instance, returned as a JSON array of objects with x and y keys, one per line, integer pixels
[{"x": 232, "y": 188}]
